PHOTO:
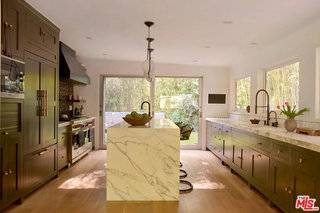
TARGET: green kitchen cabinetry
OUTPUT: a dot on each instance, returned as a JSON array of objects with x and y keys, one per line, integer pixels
[
  {"x": 12, "y": 26},
  {"x": 260, "y": 162},
  {"x": 63, "y": 139},
  {"x": 214, "y": 138},
  {"x": 294, "y": 172},
  {"x": 40, "y": 103},
  {"x": 227, "y": 148},
  {"x": 241, "y": 152},
  {"x": 41, "y": 36},
  {"x": 279, "y": 170},
  {"x": 11, "y": 152},
  {"x": 41, "y": 124}
]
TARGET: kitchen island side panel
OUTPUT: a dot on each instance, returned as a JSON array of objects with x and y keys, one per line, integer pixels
[{"x": 143, "y": 163}]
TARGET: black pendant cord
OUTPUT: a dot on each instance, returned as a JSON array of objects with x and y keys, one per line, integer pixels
[{"x": 182, "y": 191}]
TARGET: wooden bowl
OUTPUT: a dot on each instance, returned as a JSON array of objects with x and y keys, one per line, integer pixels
[
  {"x": 137, "y": 121},
  {"x": 254, "y": 121}
]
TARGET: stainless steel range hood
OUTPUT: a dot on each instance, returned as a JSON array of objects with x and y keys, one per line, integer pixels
[{"x": 69, "y": 68}]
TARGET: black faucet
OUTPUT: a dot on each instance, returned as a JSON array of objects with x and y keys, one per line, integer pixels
[
  {"x": 275, "y": 124},
  {"x": 267, "y": 106},
  {"x": 148, "y": 106}
]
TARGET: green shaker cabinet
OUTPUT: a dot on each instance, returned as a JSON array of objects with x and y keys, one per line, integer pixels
[
  {"x": 12, "y": 38},
  {"x": 11, "y": 152},
  {"x": 40, "y": 103}
]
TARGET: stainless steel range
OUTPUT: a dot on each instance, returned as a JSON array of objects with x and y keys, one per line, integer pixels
[{"x": 82, "y": 137}]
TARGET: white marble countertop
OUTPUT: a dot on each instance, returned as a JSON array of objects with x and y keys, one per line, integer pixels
[
  {"x": 153, "y": 124},
  {"x": 278, "y": 133}
]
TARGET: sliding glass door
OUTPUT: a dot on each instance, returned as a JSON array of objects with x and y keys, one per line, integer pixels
[{"x": 177, "y": 99}]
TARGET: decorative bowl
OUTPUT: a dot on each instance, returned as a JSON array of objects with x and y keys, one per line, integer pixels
[
  {"x": 137, "y": 121},
  {"x": 254, "y": 121}
]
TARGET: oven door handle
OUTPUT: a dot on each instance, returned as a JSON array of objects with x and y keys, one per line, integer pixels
[{"x": 77, "y": 132}]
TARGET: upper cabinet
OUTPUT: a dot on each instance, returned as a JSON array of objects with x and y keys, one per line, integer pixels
[
  {"x": 41, "y": 36},
  {"x": 12, "y": 38}
]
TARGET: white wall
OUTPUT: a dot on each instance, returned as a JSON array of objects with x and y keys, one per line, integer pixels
[
  {"x": 215, "y": 80},
  {"x": 301, "y": 45}
]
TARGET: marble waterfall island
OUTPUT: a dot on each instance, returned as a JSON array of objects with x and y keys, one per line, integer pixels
[{"x": 143, "y": 161}]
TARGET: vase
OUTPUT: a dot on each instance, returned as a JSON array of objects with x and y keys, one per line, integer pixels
[{"x": 290, "y": 124}]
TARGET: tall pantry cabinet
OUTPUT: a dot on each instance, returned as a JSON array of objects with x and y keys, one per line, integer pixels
[{"x": 28, "y": 36}]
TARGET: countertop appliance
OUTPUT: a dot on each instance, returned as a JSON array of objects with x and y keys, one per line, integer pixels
[
  {"x": 82, "y": 137},
  {"x": 12, "y": 78}
]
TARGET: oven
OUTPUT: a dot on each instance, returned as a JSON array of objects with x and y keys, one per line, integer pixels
[{"x": 82, "y": 138}]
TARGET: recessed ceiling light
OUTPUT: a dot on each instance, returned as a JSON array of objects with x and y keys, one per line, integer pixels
[
  {"x": 253, "y": 43},
  {"x": 105, "y": 54},
  {"x": 207, "y": 47},
  {"x": 89, "y": 38},
  {"x": 227, "y": 22},
  {"x": 195, "y": 60}
]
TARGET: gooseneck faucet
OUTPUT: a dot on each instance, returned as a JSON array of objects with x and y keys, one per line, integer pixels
[
  {"x": 267, "y": 106},
  {"x": 146, "y": 102},
  {"x": 275, "y": 124}
]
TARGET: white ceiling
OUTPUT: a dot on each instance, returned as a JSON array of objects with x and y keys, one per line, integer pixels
[{"x": 185, "y": 31}]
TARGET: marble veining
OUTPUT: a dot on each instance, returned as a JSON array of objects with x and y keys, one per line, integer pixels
[
  {"x": 143, "y": 163},
  {"x": 279, "y": 133}
]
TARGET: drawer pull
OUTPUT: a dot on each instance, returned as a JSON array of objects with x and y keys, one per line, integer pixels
[
  {"x": 279, "y": 151},
  {"x": 300, "y": 160},
  {"x": 259, "y": 155},
  {"x": 62, "y": 137},
  {"x": 10, "y": 171},
  {"x": 6, "y": 173},
  {"x": 260, "y": 143},
  {"x": 239, "y": 157},
  {"x": 227, "y": 131},
  {"x": 6, "y": 133},
  {"x": 286, "y": 189},
  {"x": 289, "y": 191}
]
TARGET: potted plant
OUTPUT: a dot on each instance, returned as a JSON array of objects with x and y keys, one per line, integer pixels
[{"x": 291, "y": 112}]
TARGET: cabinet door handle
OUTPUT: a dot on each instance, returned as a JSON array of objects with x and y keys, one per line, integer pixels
[
  {"x": 286, "y": 189},
  {"x": 300, "y": 160},
  {"x": 239, "y": 157},
  {"x": 10, "y": 26},
  {"x": 6, "y": 133},
  {"x": 227, "y": 131},
  {"x": 10, "y": 171},
  {"x": 289, "y": 191},
  {"x": 6, "y": 173},
  {"x": 6, "y": 24},
  {"x": 279, "y": 151},
  {"x": 62, "y": 137},
  {"x": 259, "y": 155},
  {"x": 260, "y": 143}
]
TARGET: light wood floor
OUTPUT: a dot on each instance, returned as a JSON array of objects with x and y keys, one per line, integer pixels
[{"x": 81, "y": 188}]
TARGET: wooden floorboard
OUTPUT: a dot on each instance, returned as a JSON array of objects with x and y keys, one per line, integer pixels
[{"x": 82, "y": 189}]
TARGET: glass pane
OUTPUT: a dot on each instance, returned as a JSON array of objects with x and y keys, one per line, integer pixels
[
  {"x": 178, "y": 100},
  {"x": 282, "y": 85},
  {"x": 243, "y": 93},
  {"x": 122, "y": 96}
]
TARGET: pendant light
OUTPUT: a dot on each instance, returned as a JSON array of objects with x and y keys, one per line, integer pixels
[{"x": 148, "y": 65}]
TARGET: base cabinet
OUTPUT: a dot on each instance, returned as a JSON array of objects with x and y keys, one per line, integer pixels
[
  {"x": 39, "y": 167},
  {"x": 281, "y": 171},
  {"x": 63, "y": 139},
  {"x": 260, "y": 171},
  {"x": 10, "y": 152}
]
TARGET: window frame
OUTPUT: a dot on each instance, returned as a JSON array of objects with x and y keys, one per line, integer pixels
[{"x": 280, "y": 65}]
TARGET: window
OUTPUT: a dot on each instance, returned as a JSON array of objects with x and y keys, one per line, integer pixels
[
  {"x": 282, "y": 85},
  {"x": 243, "y": 93}
]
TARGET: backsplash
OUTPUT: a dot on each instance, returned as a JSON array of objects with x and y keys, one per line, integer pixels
[
  {"x": 248, "y": 116},
  {"x": 65, "y": 90}
]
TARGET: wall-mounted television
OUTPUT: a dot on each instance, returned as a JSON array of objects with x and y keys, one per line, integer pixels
[{"x": 216, "y": 98}]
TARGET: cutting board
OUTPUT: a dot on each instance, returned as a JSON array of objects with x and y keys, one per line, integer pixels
[{"x": 308, "y": 131}]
